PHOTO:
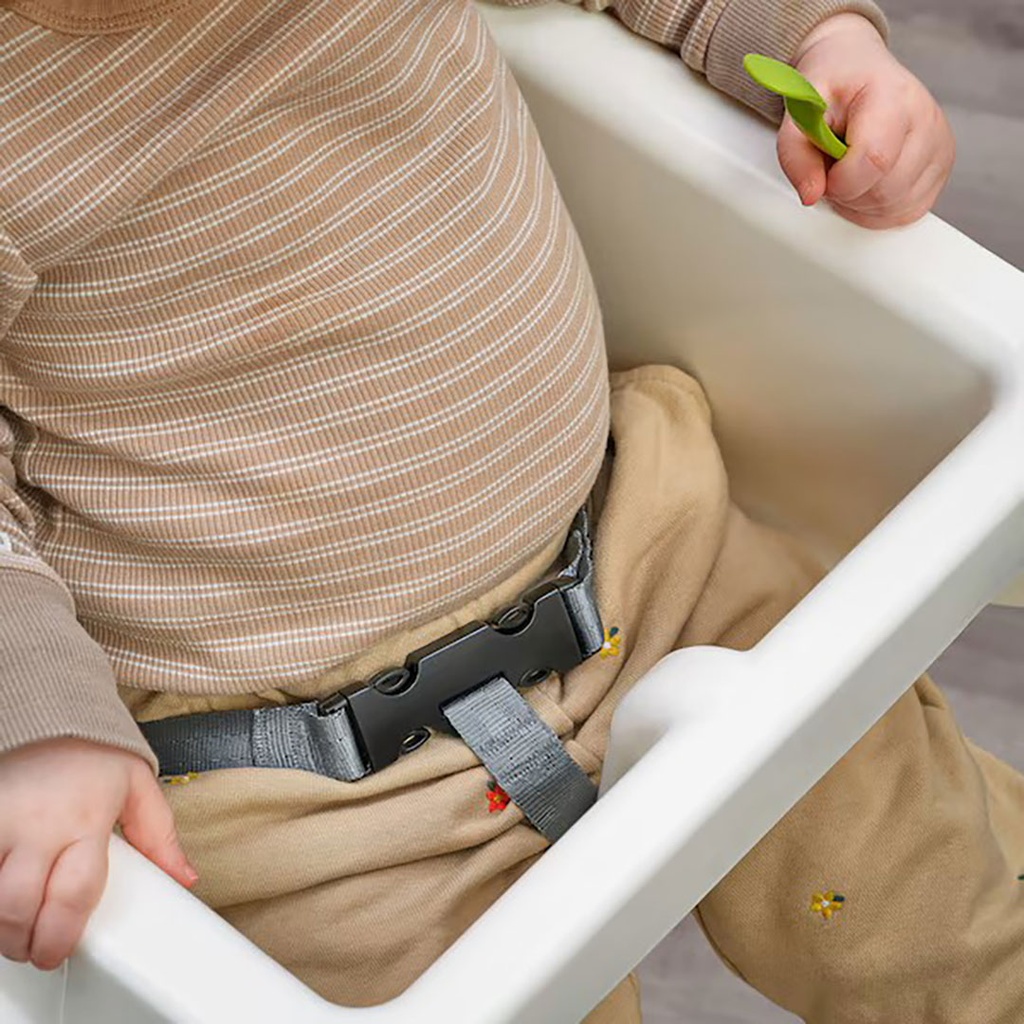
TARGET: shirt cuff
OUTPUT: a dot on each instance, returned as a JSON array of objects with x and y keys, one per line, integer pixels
[
  {"x": 55, "y": 680},
  {"x": 728, "y": 30}
]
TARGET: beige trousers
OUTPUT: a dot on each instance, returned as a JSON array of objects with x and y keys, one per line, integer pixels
[{"x": 358, "y": 887}]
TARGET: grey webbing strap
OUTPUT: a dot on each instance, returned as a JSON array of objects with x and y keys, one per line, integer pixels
[
  {"x": 525, "y": 757},
  {"x": 292, "y": 736},
  {"x": 580, "y": 598},
  {"x": 523, "y": 754}
]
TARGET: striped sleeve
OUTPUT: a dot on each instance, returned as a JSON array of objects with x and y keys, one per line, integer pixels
[
  {"x": 713, "y": 36},
  {"x": 55, "y": 680}
]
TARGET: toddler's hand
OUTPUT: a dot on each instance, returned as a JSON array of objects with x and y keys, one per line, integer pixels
[
  {"x": 901, "y": 145},
  {"x": 59, "y": 801}
]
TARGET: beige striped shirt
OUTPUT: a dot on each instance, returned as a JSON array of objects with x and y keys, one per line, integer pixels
[{"x": 297, "y": 344}]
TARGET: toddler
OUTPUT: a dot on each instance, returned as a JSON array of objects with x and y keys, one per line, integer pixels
[{"x": 301, "y": 371}]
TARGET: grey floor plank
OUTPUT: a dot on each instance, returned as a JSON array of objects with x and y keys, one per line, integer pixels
[
  {"x": 982, "y": 674},
  {"x": 981, "y": 88}
]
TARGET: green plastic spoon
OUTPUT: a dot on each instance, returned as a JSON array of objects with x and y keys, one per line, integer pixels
[{"x": 803, "y": 101}]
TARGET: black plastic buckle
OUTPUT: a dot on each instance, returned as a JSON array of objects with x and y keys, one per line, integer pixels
[{"x": 393, "y": 711}]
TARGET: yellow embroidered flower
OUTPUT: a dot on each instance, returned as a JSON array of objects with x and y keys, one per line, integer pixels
[
  {"x": 827, "y": 903},
  {"x": 179, "y": 780},
  {"x": 612, "y": 643}
]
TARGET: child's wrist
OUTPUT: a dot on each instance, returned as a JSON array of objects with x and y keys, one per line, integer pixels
[{"x": 848, "y": 24}]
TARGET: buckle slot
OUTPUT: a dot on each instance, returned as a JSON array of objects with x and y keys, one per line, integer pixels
[{"x": 389, "y": 708}]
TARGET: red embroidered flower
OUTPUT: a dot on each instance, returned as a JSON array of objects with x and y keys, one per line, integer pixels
[{"x": 497, "y": 798}]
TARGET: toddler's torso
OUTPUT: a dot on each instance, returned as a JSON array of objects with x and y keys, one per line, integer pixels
[{"x": 312, "y": 352}]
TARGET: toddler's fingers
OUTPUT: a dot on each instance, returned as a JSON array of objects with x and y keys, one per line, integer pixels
[
  {"x": 917, "y": 204},
  {"x": 148, "y": 824},
  {"x": 802, "y": 162},
  {"x": 876, "y": 132},
  {"x": 72, "y": 892},
  {"x": 22, "y": 884},
  {"x": 897, "y": 187},
  {"x": 907, "y": 190}
]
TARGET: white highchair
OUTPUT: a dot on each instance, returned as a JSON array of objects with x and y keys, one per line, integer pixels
[{"x": 867, "y": 394}]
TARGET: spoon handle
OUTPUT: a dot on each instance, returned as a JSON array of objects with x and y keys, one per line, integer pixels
[
  {"x": 804, "y": 103},
  {"x": 811, "y": 122}
]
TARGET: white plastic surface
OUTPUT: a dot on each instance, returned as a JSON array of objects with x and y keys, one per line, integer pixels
[{"x": 867, "y": 393}]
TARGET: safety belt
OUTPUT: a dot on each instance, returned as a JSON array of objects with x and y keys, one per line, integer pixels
[{"x": 466, "y": 682}]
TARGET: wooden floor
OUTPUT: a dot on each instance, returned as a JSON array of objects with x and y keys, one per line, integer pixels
[{"x": 970, "y": 53}]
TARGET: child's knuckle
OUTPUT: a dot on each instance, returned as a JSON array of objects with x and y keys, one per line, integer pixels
[
  {"x": 882, "y": 158},
  {"x": 19, "y": 901},
  {"x": 76, "y": 900},
  {"x": 883, "y": 196},
  {"x": 15, "y": 948},
  {"x": 75, "y": 892},
  {"x": 16, "y": 917},
  {"x": 12, "y": 922}
]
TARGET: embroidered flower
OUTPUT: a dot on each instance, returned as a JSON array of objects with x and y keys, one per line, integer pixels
[
  {"x": 179, "y": 780},
  {"x": 827, "y": 903},
  {"x": 612, "y": 643},
  {"x": 497, "y": 798}
]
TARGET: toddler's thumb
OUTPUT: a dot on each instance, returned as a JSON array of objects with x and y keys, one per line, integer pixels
[
  {"x": 148, "y": 824},
  {"x": 802, "y": 162}
]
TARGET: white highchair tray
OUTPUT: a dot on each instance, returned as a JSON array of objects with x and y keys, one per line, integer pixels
[{"x": 867, "y": 393}]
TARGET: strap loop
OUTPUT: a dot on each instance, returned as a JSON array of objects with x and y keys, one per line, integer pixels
[{"x": 525, "y": 757}]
